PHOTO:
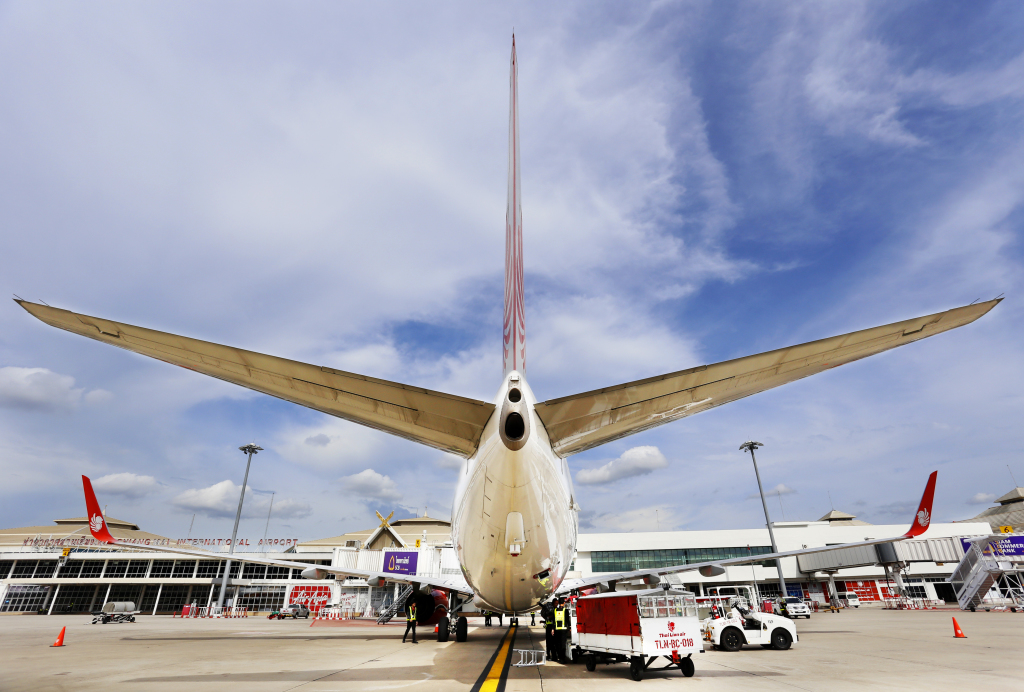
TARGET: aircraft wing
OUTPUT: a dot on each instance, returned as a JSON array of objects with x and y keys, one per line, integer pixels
[
  {"x": 582, "y": 421},
  {"x": 99, "y": 530},
  {"x": 922, "y": 519},
  {"x": 450, "y": 423}
]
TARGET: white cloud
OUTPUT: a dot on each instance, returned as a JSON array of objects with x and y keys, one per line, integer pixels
[
  {"x": 37, "y": 388},
  {"x": 44, "y": 390},
  {"x": 127, "y": 485},
  {"x": 780, "y": 489},
  {"x": 636, "y": 461},
  {"x": 370, "y": 484},
  {"x": 982, "y": 499},
  {"x": 320, "y": 440},
  {"x": 451, "y": 462},
  {"x": 221, "y": 500}
]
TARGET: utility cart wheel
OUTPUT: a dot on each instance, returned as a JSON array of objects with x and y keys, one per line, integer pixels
[
  {"x": 686, "y": 665},
  {"x": 732, "y": 640},
  {"x": 636, "y": 668},
  {"x": 591, "y": 661},
  {"x": 781, "y": 640},
  {"x": 461, "y": 630},
  {"x": 443, "y": 629}
]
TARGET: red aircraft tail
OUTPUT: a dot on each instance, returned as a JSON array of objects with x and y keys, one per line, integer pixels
[
  {"x": 923, "y": 518},
  {"x": 97, "y": 524}
]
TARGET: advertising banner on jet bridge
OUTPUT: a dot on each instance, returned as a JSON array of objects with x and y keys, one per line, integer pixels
[
  {"x": 1011, "y": 546},
  {"x": 401, "y": 561}
]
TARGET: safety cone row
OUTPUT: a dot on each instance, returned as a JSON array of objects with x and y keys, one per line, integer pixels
[
  {"x": 60, "y": 638},
  {"x": 957, "y": 632}
]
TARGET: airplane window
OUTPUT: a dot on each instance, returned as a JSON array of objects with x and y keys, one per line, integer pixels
[{"x": 514, "y": 395}]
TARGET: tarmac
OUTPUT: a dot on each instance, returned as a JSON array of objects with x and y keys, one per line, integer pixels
[{"x": 868, "y": 648}]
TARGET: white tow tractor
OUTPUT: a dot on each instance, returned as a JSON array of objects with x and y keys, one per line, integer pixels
[
  {"x": 639, "y": 627},
  {"x": 742, "y": 625}
]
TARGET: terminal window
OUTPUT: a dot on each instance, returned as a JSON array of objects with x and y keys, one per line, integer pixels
[
  {"x": 91, "y": 568},
  {"x": 24, "y": 598},
  {"x": 71, "y": 569},
  {"x": 161, "y": 568},
  {"x": 628, "y": 560},
  {"x": 184, "y": 569},
  {"x": 116, "y": 569}
]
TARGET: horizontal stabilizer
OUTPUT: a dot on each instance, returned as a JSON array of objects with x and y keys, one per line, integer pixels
[
  {"x": 582, "y": 421},
  {"x": 450, "y": 423}
]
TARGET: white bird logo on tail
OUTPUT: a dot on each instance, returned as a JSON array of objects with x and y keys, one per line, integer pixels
[
  {"x": 96, "y": 522},
  {"x": 923, "y": 518}
]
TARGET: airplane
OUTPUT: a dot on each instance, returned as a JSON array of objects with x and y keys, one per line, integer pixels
[{"x": 515, "y": 518}]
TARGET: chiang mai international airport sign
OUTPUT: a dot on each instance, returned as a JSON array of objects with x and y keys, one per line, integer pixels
[{"x": 401, "y": 561}]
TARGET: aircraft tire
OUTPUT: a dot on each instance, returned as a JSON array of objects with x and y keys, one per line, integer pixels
[
  {"x": 781, "y": 639},
  {"x": 443, "y": 629},
  {"x": 461, "y": 630},
  {"x": 686, "y": 665}
]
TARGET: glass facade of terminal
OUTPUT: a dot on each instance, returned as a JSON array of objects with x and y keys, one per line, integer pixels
[{"x": 627, "y": 560}]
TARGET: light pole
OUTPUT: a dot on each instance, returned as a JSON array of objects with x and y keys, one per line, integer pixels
[
  {"x": 249, "y": 449},
  {"x": 750, "y": 447}
]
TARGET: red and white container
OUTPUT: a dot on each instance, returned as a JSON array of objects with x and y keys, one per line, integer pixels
[{"x": 638, "y": 627}]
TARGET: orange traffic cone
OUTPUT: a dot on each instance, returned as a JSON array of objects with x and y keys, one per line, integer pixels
[
  {"x": 60, "y": 638},
  {"x": 957, "y": 632}
]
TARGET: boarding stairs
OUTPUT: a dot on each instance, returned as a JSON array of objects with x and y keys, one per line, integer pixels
[
  {"x": 389, "y": 612},
  {"x": 977, "y": 572}
]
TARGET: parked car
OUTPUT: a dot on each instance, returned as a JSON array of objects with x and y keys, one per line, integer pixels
[
  {"x": 295, "y": 610},
  {"x": 849, "y": 599},
  {"x": 792, "y": 607}
]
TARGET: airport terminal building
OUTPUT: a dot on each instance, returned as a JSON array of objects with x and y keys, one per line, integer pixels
[{"x": 35, "y": 576}]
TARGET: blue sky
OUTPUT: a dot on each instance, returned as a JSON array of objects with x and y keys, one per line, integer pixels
[{"x": 326, "y": 182}]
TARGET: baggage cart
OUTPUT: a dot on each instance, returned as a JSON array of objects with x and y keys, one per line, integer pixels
[
  {"x": 115, "y": 611},
  {"x": 638, "y": 627}
]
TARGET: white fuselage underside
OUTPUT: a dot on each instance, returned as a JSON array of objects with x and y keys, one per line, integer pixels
[{"x": 497, "y": 481}]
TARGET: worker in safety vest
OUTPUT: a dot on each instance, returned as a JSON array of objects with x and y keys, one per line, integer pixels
[
  {"x": 549, "y": 630},
  {"x": 410, "y": 619},
  {"x": 561, "y": 630}
]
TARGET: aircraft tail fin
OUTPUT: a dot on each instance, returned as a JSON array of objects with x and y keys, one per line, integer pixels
[
  {"x": 923, "y": 518},
  {"x": 97, "y": 524},
  {"x": 514, "y": 330}
]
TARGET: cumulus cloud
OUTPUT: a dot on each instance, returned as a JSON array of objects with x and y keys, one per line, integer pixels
[
  {"x": 780, "y": 489},
  {"x": 982, "y": 499},
  {"x": 129, "y": 485},
  {"x": 637, "y": 461},
  {"x": 370, "y": 484},
  {"x": 38, "y": 389},
  {"x": 221, "y": 500},
  {"x": 451, "y": 462},
  {"x": 320, "y": 440}
]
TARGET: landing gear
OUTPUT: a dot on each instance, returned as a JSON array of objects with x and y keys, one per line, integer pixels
[
  {"x": 461, "y": 630},
  {"x": 443, "y": 629}
]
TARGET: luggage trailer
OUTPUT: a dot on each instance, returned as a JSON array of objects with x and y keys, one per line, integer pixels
[{"x": 638, "y": 627}]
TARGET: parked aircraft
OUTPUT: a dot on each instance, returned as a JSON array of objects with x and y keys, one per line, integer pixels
[{"x": 515, "y": 517}]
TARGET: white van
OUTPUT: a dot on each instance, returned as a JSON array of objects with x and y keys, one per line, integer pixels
[{"x": 849, "y": 598}]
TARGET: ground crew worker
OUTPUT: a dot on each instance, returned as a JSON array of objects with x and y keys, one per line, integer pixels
[
  {"x": 549, "y": 631},
  {"x": 533, "y": 619},
  {"x": 487, "y": 618},
  {"x": 410, "y": 619},
  {"x": 561, "y": 630},
  {"x": 500, "y": 623}
]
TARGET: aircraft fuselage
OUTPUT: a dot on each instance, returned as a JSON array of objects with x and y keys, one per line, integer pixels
[{"x": 514, "y": 519}]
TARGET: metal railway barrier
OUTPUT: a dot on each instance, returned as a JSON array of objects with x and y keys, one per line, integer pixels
[{"x": 530, "y": 657}]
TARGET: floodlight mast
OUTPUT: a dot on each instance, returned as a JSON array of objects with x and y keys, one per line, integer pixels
[
  {"x": 249, "y": 449},
  {"x": 750, "y": 446}
]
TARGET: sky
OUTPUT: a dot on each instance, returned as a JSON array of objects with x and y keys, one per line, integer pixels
[{"x": 325, "y": 181}]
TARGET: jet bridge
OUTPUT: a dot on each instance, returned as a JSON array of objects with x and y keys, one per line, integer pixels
[{"x": 901, "y": 552}]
